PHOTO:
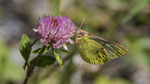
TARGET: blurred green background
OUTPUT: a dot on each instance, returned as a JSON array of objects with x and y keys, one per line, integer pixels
[{"x": 123, "y": 21}]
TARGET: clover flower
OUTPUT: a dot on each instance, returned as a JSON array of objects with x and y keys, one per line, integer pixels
[{"x": 55, "y": 31}]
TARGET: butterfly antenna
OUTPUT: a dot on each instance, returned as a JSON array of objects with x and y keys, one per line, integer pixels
[
  {"x": 79, "y": 28},
  {"x": 82, "y": 23}
]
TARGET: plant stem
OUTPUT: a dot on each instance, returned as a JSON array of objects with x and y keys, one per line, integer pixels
[
  {"x": 32, "y": 66},
  {"x": 30, "y": 69},
  {"x": 34, "y": 42}
]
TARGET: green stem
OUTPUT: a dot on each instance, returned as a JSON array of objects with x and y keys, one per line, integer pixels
[
  {"x": 32, "y": 66},
  {"x": 34, "y": 42}
]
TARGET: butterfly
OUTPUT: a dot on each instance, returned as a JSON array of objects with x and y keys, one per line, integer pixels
[{"x": 96, "y": 50}]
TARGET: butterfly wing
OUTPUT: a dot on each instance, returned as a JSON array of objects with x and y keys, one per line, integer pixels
[
  {"x": 115, "y": 50},
  {"x": 92, "y": 52}
]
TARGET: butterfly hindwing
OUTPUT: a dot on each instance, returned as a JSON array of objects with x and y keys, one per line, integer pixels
[
  {"x": 115, "y": 50},
  {"x": 92, "y": 52}
]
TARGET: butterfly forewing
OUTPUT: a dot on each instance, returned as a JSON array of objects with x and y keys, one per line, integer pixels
[
  {"x": 115, "y": 50},
  {"x": 92, "y": 52}
]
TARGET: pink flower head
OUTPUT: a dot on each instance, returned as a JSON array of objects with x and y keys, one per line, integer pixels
[{"x": 55, "y": 30}]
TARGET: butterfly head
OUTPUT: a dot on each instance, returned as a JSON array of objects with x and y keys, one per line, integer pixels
[{"x": 81, "y": 34}]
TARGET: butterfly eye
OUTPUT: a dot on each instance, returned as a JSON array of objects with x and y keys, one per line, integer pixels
[{"x": 96, "y": 51}]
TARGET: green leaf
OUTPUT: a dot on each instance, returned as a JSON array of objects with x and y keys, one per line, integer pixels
[
  {"x": 44, "y": 61},
  {"x": 39, "y": 50},
  {"x": 58, "y": 58},
  {"x": 25, "y": 47}
]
